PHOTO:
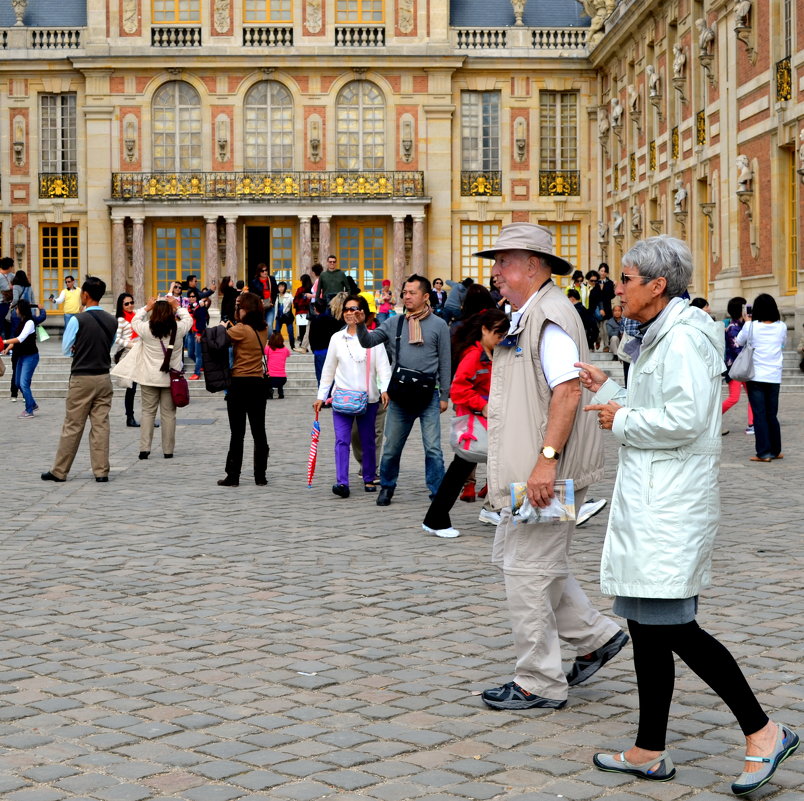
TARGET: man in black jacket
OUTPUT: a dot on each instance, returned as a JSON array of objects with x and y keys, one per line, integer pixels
[{"x": 88, "y": 339}]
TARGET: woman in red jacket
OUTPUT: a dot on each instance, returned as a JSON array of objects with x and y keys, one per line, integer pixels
[{"x": 478, "y": 337}]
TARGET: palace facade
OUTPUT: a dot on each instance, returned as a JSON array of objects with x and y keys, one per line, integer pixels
[{"x": 143, "y": 140}]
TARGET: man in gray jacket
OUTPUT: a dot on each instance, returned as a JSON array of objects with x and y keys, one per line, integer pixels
[{"x": 419, "y": 340}]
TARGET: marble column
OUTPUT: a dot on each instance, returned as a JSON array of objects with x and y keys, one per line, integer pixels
[
  {"x": 399, "y": 256},
  {"x": 118, "y": 256},
  {"x": 138, "y": 260},
  {"x": 231, "y": 248},
  {"x": 417, "y": 255},
  {"x": 323, "y": 239},
  {"x": 305, "y": 245},
  {"x": 211, "y": 253}
]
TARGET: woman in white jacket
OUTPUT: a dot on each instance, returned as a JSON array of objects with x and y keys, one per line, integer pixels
[
  {"x": 157, "y": 323},
  {"x": 665, "y": 510},
  {"x": 349, "y": 366}
]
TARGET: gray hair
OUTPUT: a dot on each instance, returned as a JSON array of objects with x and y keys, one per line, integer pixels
[{"x": 662, "y": 257}]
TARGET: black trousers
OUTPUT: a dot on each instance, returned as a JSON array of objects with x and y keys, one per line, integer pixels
[
  {"x": 246, "y": 400},
  {"x": 448, "y": 491},
  {"x": 654, "y": 647},
  {"x": 129, "y": 399}
]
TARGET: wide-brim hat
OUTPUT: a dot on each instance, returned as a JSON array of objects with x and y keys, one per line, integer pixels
[{"x": 532, "y": 237}]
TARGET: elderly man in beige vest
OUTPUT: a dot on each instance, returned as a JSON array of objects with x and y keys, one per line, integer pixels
[{"x": 538, "y": 434}]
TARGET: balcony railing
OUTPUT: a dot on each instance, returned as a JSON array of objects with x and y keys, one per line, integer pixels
[
  {"x": 481, "y": 183},
  {"x": 544, "y": 39},
  {"x": 360, "y": 36},
  {"x": 175, "y": 36},
  {"x": 267, "y": 36},
  {"x": 265, "y": 185},
  {"x": 43, "y": 38},
  {"x": 559, "y": 183},
  {"x": 784, "y": 80},
  {"x": 58, "y": 184},
  {"x": 480, "y": 38},
  {"x": 559, "y": 38}
]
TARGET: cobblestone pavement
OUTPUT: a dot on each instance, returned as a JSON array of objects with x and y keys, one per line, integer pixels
[{"x": 167, "y": 638}]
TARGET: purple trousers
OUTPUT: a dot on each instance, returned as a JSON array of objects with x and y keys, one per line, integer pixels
[{"x": 343, "y": 437}]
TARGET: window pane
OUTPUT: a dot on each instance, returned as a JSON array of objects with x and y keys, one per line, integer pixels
[
  {"x": 360, "y": 127},
  {"x": 480, "y": 130},
  {"x": 269, "y": 127},
  {"x": 282, "y": 254},
  {"x": 58, "y": 132},
  {"x": 176, "y": 133},
  {"x": 477, "y": 236}
]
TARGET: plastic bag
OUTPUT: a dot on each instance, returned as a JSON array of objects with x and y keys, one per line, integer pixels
[{"x": 560, "y": 509}]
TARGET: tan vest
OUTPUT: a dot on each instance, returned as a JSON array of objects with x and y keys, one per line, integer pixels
[{"x": 520, "y": 399}]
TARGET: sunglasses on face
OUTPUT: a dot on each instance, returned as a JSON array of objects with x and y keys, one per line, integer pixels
[
  {"x": 352, "y": 309},
  {"x": 624, "y": 279},
  {"x": 128, "y": 303}
]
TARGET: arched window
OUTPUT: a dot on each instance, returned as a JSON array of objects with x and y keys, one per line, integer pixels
[
  {"x": 176, "y": 128},
  {"x": 360, "y": 127},
  {"x": 268, "y": 127}
]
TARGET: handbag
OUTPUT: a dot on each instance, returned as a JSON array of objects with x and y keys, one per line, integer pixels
[
  {"x": 469, "y": 437},
  {"x": 352, "y": 401},
  {"x": 179, "y": 388},
  {"x": 742, "y": 368},
  {"x": 412, "y": 389}
]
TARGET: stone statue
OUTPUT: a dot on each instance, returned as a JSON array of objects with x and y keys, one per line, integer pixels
[
  {"x": 741, "y": 13},
  {"x": 633, "y": 98},
  {"x": 744, "y": 174},
  {"x": 19, "y": 7},
  {"x": 602, "y": 122},
  {"x": 679, "y": 61},
  {"x": 519, "y": 10},
  {"x": 654, "y": 89},
  {"x": 618, "y": 224},
  {"x": 616, "y": 113},
  {"x": 706, "y": 37},
  {"x": 636, "y": 218},
  {"x": 602, "y": 231},
  {"x": 679, "y": 197}
]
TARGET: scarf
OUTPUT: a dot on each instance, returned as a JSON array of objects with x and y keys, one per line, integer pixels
[
  {"x": 414, "y": 324},
  {"x": 128, "y": 317}
]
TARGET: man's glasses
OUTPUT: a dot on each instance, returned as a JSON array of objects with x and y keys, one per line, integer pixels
[{"x": 624, "y": 279}]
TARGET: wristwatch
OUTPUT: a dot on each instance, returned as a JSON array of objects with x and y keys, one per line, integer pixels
[{"x": 550, "y": 453}]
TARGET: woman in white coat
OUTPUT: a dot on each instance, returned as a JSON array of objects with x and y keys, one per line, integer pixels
[
  {"x": 665, "y": 510},
  {"x": 157, "y": 323}
]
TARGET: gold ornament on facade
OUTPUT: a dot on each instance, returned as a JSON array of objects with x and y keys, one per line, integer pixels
[
  {"x": 784, "y": 80},
  {"x": 632, "y": 168},
  {"x": 58, "y": 185},
  {"x": 674, "y": 144},
  {"x": 700, "y": 128},
  {"x": 652, "y": 155}
]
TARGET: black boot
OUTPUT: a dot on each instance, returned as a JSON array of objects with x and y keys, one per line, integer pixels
[{"x": 131, "y": 422}]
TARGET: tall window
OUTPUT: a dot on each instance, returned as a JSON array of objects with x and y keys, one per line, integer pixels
[
  {"x": 792, "y": 222},
  {"x": 787, "y": 27},
  {"x": 58, "y": 256},
  {"x": 269, "y": 127},
  {"x": 58, "y": 133},
  {"x": 267, "y": 11},
  {"x": 177, "y": 250},
  {"x": 176, "y": 11},
  {"x": 176, "y": 128},
  {"x": 480, "y": 130},
  {"x": 359, "y": 11},
  {"x": 282, "y": 253},
  {"x": 558, "y": 115},
  {"x": 360, "y": 127},
  {"x": 566, "y": 244},
  {"x": 361, "y": 253},
  {"x": 476, "y": 236}
]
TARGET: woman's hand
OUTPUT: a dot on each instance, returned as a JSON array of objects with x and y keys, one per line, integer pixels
[
  {"x": 385, "y": 399},
  {"x": 150, "y": 304},
  {"x": 605, "y": 413},
  {"x": 174, "y": 302},
  {"x": 317, "y": 406},
  {"x": 591, "y": 377},
  {"x": 359, "y": 317}
]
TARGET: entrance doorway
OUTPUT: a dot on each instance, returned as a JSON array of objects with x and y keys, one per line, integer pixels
[
  {"x": 258, "y": 249},
  {"x": 272, "y": 245}
]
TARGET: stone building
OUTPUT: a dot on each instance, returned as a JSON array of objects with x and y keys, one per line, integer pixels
[{"x": 143, "y": 141}]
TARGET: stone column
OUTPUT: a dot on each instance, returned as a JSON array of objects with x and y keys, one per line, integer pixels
[
  {"x": 231, "y": 248},
  {"x": 138, "y": 260},
  {"x": 212, "y": 261},
  {"x": 305, "y": 245},
  {"x": 118, "y": 256},
  {"x": 439, "y": 136},
  {"x": 417, "y": 256},
  {"x": 323, "y": 239},
  {"x": 399, "y": 255}
]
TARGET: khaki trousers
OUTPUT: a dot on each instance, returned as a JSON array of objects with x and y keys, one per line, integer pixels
[
  {"x": 154, "y": 398},
  {"x": 545, "y": 602},
  {"x": 88, "y": 397}
]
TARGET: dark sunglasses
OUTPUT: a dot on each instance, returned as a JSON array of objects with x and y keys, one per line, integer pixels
[
  {"x": 128, "y": 302},
  {"x": 351, "y": 308}
]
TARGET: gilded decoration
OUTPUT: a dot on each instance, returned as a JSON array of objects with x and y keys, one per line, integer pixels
[
  {"x": 700, "y": 128},
  {"x": 559, "y": 183},
  {"x": 652, "y": 155},
  {"x": 405, "y": 15},
  {"x": 222, "y": 16},
  {"x": 632, "y": 167},
  {"x": 481, "y": 184},
  {"x": 314, "y": 16},
  {"x": 784, "y": 80},
  {"x": 268, "y": 185},
  {"x": 674, "y": 148},
  {"x": 58, "y": 185},
  {"x": 615, "y": 178}
]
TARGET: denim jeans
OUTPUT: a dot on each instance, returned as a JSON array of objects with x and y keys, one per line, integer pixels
[
  {"x": 398, "y": 424},
  {"x": 5, "y": 325},
  {"x": 67, "y": 318},
  {"x": 270, "y": 314},
  {"x": 22, "y": 378},
  {"x": 319, "y": 357},
  {"x": 199, "y": 358},
  {"x": 764, "y": 400},
  {"x": 189, "y": 345}
]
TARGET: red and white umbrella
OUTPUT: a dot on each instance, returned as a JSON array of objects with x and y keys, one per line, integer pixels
[{"x": 315, "y": 434}]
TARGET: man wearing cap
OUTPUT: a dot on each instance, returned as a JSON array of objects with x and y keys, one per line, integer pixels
[{"x": 538, "y": 434}]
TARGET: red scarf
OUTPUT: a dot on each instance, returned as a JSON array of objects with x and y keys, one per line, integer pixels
[{"x": 128, "y": 316}]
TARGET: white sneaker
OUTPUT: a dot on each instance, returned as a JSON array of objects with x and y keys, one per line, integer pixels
[
  {"x": 749, "y": 430},
  {"x": 13, "y": 400},
  {"x": 489, "y": 516},
  {"x": 446, "y": 533},
  {"x": 589, "y": 510}
]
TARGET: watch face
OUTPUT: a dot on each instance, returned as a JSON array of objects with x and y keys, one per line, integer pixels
[{"x": 549, "y": 453}]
